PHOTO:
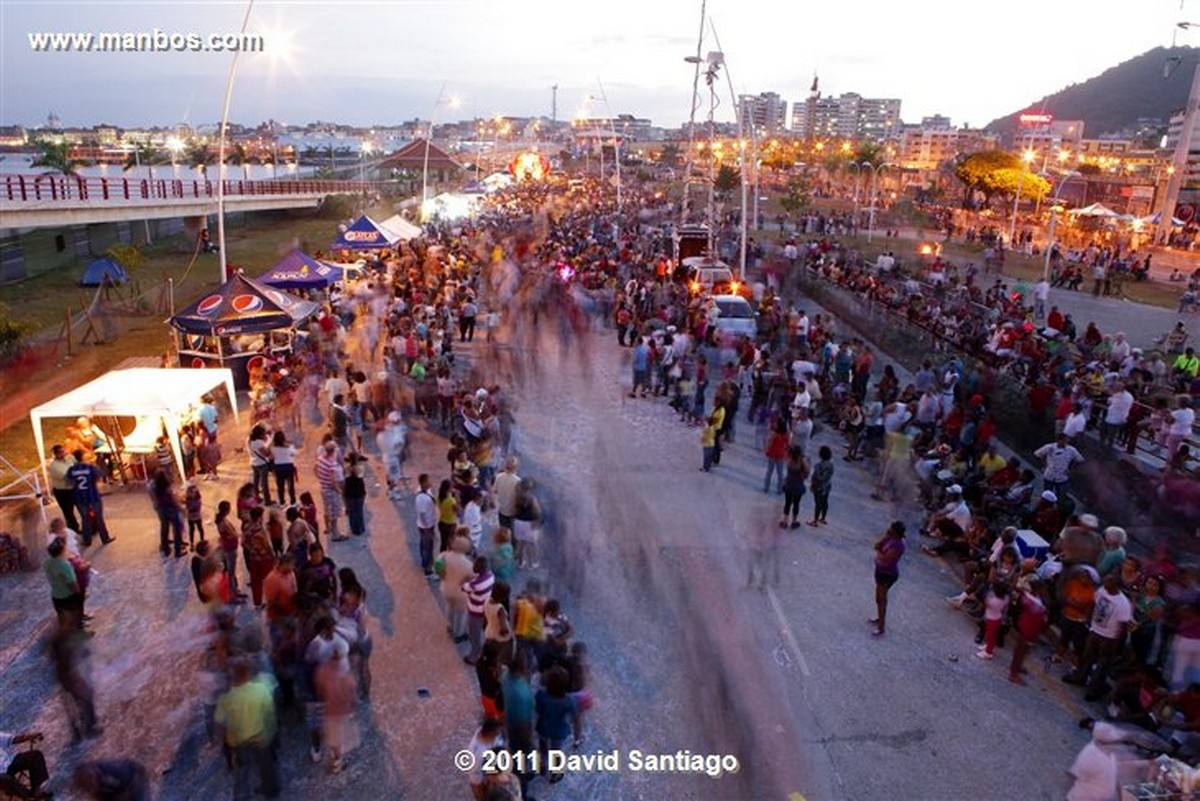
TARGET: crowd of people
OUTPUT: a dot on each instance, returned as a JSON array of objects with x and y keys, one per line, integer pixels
[{"x": 292, "y": 629}]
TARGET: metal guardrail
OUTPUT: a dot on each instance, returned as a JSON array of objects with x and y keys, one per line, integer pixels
[{"x": 70, "y": 189}]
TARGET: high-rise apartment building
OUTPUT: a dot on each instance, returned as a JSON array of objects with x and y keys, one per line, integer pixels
[
  {"x": 766, "y": 113},
  {"x": 850, "y": 116}
]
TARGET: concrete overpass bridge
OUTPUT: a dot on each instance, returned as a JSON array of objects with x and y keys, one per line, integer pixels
[{"x": 40, "y": 201}]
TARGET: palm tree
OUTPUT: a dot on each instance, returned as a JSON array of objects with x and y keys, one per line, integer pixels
[
  {"x": 199, "y": 155},
  {"x": 56, "y": 158},
  {"x": 143, "y": 155},
  {"x": 239, "y": 158}
]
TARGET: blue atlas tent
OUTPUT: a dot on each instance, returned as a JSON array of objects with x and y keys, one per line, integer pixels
[
  {"x": 298, "y": 270},
  {"x": 99, "y": 270},
  {"x": 363, "y": 234}
]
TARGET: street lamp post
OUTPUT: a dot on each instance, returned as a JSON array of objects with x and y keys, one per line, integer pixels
[
  {"x": 1026, "y": 157},
  {"x": 874, "y": 191},
  {"x": 221, "y": 255},
  {"x": 453, "y": 103},
  {"x": 1053, "y": 219}
]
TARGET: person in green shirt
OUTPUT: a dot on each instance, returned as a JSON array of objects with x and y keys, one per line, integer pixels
[
  {"x": 65, "y": 593},
  {"x": 245, "y": 715}
]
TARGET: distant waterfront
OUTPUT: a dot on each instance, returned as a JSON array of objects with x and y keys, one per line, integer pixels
[{"x": 20, "y": 164}]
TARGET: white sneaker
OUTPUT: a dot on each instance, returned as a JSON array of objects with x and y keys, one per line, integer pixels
[
  {"x": 983, "y": 654},
  {"x": 956, "y": 600},
  {"x": 315, "y": 755}
]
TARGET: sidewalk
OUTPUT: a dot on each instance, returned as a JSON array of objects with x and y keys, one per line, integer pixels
[{"x": 151, "y": 633}]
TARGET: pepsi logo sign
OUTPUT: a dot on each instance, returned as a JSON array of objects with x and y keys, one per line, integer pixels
[
  {"x": 209, "y": 305},
  {"x": 245, "y": 304},
  {"x": 279, "y": 298}
]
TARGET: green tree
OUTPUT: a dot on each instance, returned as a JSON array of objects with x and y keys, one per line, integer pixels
[
  {"x": 239, "y": 158},
  {"x": 779, "y": 161},
  {"x": 977, "y": 172},
  {"x": 128, "y": 256},
  {"x": 144, "y": 155},
  {"x": 12, "y": 335},
  {"x": 729, "y": 178},
  {"x": 1030, "y": 185},
  {"x": 795, "y": 196},
  {"x": 870, "y": 152},
  {"x": 199, "y": 156},
  {"x": 56, "y": 157}
]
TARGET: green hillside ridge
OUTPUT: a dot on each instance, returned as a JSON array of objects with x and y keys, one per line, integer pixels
[{"x": 1117, "y": 98}]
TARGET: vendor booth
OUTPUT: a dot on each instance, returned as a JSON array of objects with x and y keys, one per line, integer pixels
[
  {"x": 400, "y": 228},
  {"x": 240, "y": 325},
  {"x": 364, "y": 234},
  {"x": 161, "y": 401},
  {"x": 299, "y": 271}
]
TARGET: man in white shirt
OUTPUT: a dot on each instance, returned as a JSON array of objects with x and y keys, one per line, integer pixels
[
  {"x": 1041, "y": 294},
  {"x": 1183, "y": 418},
  {"x": 1057, "y": 456},
  {"x": 427, "y": 520},
  {"x": 1076, "y": 422},
  {"x": 1110, "y": 620},
  {"x": 952, "y": 520},
  {"x": 1120, "y": 404}
]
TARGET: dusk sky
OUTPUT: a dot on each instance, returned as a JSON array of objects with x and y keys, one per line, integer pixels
[{"x": 384, "y": 61}]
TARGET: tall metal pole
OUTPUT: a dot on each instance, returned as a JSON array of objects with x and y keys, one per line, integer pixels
[
  {"x": 221, "y": 255},
  {"x": 425, "y": 160},
  {"x": 1012, "y": 228},
  {"x": 687, "y": 164},
  {"x": 616, "y": 141},
  {"x": 738, "y": 109},
  {"x": 1176, "y": 176}
]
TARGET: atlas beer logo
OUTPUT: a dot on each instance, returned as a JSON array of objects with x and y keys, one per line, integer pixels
[
  {"x": 209, "y": 305},
  {"x": 246, "y": 304},
  {"x": 361, "y": 236}
]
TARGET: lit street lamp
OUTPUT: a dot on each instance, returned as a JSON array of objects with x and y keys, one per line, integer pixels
[
  {"x": 1067, "y": 176},
  {"x": 1026, "y": 157},
  {"x": 874, "y": 190}
]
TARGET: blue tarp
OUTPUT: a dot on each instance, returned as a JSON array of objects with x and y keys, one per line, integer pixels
[
  {"x": 94, "y": 273},
  {"x": 363, "y": 234},
  {"x": 298, "y": 270}
]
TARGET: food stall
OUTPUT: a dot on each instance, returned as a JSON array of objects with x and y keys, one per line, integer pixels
[
  {"x": 240, "y": 325},
  {"x": 160, "y": 401}
]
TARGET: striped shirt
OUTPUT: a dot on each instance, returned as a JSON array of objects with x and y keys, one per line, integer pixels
[
  {"x": 479, "y": 591},
  {"x": 328, "y": 467}
]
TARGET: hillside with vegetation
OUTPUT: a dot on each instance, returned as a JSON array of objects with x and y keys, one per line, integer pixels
[{"x": 1117, "y": 98}]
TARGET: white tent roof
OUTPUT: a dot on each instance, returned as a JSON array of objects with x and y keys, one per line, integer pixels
[
  {"x": 400, "y": 228},
  {"x": 1095, "y": 210},
  {"x": 137, "y": 392}
]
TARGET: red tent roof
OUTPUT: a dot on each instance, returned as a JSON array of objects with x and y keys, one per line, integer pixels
[{"x": 412, "y": 156}]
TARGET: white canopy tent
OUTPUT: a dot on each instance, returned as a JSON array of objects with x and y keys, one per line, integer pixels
[
  {"x": 159, "y": 396},
  {"x": 400, "y": 228},
  {"x": 1095, "y": 210}
]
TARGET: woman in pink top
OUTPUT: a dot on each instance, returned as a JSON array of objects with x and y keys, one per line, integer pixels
[{"x": 888, "y": 550}]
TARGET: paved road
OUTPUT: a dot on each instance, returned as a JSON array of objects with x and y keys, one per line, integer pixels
[{"x": 654, "y": 559}]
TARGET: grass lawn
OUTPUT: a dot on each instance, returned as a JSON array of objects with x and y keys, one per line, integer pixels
[{"x": 43, "y": 301}]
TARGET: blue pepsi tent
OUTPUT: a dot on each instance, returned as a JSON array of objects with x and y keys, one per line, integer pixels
[
  {"x": 363, "y": 234},
  {"x": 298, "y": 270},
  {"x": 96, "y": 273}
]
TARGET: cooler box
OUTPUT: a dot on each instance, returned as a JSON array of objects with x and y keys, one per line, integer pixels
[{"x": 1031, "y": 545}]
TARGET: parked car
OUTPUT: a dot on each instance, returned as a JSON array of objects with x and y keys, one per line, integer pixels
[{"x": 737, "y": 317}]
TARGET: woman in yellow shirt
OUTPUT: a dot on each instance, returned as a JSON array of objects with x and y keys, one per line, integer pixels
[{"x": 447, "y": 505}]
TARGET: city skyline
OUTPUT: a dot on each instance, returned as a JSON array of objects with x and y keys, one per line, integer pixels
[{"x": 331, "y": 63}]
